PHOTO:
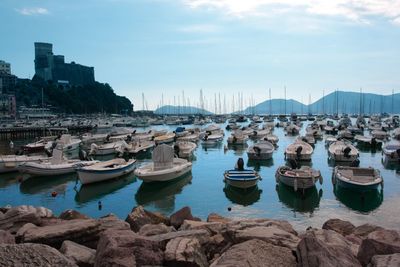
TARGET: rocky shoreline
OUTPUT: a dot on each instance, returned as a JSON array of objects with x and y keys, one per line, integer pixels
[{"x": 33, "y": 236}]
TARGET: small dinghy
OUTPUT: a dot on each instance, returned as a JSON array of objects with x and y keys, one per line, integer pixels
[
  {"x": 164, "y": 166},
  {"x": 261, "y": 151},
  {"x": 367, "y": 141},
  {"x": 105, "y": 170},
  {"x": 105, "y": 149},
  {"x": 273, "y": 139},
  {"x": 237, "y": 138},
  {"x": 165, "y": 139},
  {"x": 57, "y": 165},
  {"x": 35, "y": 147},
  {"x": 342, "y": 151},
  {"x": 240, "y": 177},
  {"x": 10, "y": 163},
  {"x": 67, "y": 142},
  {"x": 136, "y": 147},
  {"x": 299, "y": 150},
  {"x": 392, "y": 150},
  {"x": 379, "y": 134},
  {"x": 212, "y": 139},
  {"x": 359, "y": 179},
  {"x": 184, "y": 149},
  {"x": 302, "y": 178},
  {"x": 330, "y": 139}
]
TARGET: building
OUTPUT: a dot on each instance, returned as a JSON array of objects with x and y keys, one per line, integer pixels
[
  {"x": 7, "y": 82},
  {"x": 5, "y": 67},
  {"x": 52, "y": 67},
  {"x": 8, "y": 108}
]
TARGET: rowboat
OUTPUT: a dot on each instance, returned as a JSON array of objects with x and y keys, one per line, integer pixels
[{"x": 357, "y": 178}]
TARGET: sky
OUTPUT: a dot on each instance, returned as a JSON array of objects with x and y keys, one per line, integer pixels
[{"x": 165, "y": 49}]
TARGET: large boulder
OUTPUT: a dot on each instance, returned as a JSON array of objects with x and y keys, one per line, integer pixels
[
  {"x": 201, "y": 235},
  {"x": 342, "y": 227},
  {"x": 155, "y": 229},
  {"x": 112, "y": 222},
  {"x": 392, "y": 260},
  {"x": 325, "y": 248},
  {"x": 183, "y": 251},
  {"x": 212, "y": 227},
  {"x": 84, "y": 232},
  {"x": 15, "y": 217},
  {"x": 379, "y": 242},
  {"x": 80, "y": 255},
  {"x": 254, "y": 253},
  {"x": 72, "y": 215},
  {"x": 32, "y": 255},
  {"x": 364, "y": 230},
  {"x": 279, "y": 233},
  {"x": 214, "y": 217},
  {"x": 179, "y": 216},
  {"x": 126, "y": 248},
  {"x": 139, "y": 217},
  {"x": 6, "y": 237}
]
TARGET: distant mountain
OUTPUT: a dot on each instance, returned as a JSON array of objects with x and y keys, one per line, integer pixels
[
  {"x": 168, "y": 109},
  {"x": 341, "y": 102}
]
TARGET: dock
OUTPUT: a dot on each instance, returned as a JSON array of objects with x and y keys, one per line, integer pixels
[{"x": 20, "y": 133}]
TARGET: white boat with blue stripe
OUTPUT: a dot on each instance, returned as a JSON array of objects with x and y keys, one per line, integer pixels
[{"x": 241, "y": 178}]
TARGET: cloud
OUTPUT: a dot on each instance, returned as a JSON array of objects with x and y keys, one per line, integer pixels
[
  {"x": 199, "y": 28},
  {"x": 396, "y": 21},
  {"x": 354, "y": 10},
  {"x": 29, "y": 11}
]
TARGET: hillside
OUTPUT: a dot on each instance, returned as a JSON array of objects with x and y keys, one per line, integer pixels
[{"x": 168, "y": 109}]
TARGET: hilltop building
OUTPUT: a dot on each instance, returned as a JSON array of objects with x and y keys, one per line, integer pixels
[
  {"x": 7, "y": 80},
  {"x": 5, "y": 67},
  {"x": 52, "y": 67},
  {"x": 8, "y": 108}
]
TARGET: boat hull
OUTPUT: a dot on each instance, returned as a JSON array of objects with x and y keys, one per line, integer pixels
[
  {"x": 94, "y": 176},
  {"x": 259, "y": 156},
  {"x": 164, "y": 175}
]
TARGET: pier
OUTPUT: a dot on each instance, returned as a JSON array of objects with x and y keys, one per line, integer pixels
[{"x": 18, "y": 133}]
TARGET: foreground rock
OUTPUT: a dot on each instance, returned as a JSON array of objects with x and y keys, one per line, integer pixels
[
  {"x": 80, "y": 255},
  {"x": 155, "y": 229},
  {"x": 140, "y": 217},
  {"x": 125, "y": 248},
  {"x": 254, "y": 253},
  {"x": 72, "y": 215},
  {"x": 32, "y": 255},
  {"x": 183, "y": 251},
  {"x": 180, "y": 216},
  {"x": 6, "y": 237},
  {"x": 325, "y": 248},
  {"x": 85, "y": 232},
  {"x": 342, "y": 227},
  {"x": 15, "y": 217},
  {"x": 379, "y": 242},
  {"x": 385, "y": 260}
]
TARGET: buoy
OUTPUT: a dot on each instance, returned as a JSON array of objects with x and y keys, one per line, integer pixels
[
  {"x": 229, "y": 208},
  {"x": 100, "y": 206},
  {"x": 54, "y": 194}
]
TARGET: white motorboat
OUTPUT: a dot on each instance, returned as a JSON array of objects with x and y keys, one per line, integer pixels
[
  {"x": 191, "y": 137},
  {"x": 10, "y": 163},
  {"x": 237, "y": 138},
  {"x": 164, "y": 166},
  {"x": 57, "y": 165},
  {"x": 261, "y": 151},
  {"x": 392, "y": 150},
  {"x": 302, "y": 178},
  {"x": 342, "y": 151},
  {"x": 67, "y": 143},
  {"x": 212, "y": 139},
  {"x": 184, "y": 149},
  {"x": 105, "y": 170},
  {"x": 165, "y": 139},
  {"x": 90, "y": 138},
  {"x": 299, "y": 150},
  {"x": 106, "y": 149},
  {"x": 136, "y": 147}
]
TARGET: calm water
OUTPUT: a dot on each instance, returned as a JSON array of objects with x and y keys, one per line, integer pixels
[{"x": 204, "y": 191}]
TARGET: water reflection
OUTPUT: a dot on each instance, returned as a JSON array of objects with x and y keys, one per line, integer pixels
[
  {"x": 37, "y": 185},
  {"x": 359, "y": 201},
  {"x": 244, "y": 197},
  {"x": 211, "y": 146},
  {"x": 238, "y": 150},
  {"x": 162, "y": 194},
  {"x": 257, "y": 164},
  {"x": 7, "y": 179},
  {"x": 96, "y": 191},
  {"x": 298, "y": 201}
]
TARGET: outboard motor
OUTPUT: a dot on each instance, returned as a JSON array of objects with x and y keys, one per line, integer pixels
[
  {"x": 346, "y": 152},
  {"x": 240, "y": 164},
  {"x": 398, "y": 152},
  {"x": 206, "y": 137},
  {"x": 373, "y": 142},
  {"x": 255, "y": 133},
  {"x": 48, "y": 152},
  {"x": 176, "y": 149},
  {"x": 129, "y": 138},
  {"x": 298, "y": 152},
  {"x": 134, "y": 132},
  {"x": 82, "y": 154},
  {"x": 58, "y": 137},
  {"x": 355, "y": 163},
  {"x": 108, "y": 138},
  {"x": 293, "y": 164},
  {"x": 234, "y": 139},
  {"x": 257, "y": 150}
]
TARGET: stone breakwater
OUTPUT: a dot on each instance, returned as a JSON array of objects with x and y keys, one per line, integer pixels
[{"x": 33, "y": 236}]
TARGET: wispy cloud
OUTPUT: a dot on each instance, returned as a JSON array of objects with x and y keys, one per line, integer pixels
[
  {"x": 199, "y": 28},
  {"x": 29, "y": 11},
  {"x": 354, "y": 10},
  {"x": 396, "y": 21}
]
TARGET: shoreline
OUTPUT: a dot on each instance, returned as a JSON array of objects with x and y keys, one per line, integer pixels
[{"x": 33, "y": 234}]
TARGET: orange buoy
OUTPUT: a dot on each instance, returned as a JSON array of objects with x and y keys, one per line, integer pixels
[{"x": 54, "y": 194}]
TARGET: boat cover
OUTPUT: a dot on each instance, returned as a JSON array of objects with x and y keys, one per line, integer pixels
[{"x": 163, "y": 157}]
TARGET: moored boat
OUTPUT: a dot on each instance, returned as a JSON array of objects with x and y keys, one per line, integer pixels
[
  {"x": 357, "y": 178},
  {"x": 240, "y": 177},
  {"x": 392, "y": 150},
  {"x": 184, "y": 149},
  {"x": 299, "y": 150},
  {"x": 10, "y": 163},
  {"x": 302, "y": 178},
  {"x": 261, "y": 151},
  {"x": 341, "y": 151}
]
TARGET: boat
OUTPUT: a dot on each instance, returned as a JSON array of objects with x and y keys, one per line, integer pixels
[
  {"x": 66, "y": 141},
  {"x": 357, "y": 178},
  {"x": 237, "y": 138},
  {"x": 367, "y": 141},
  {"x": 329, "y": 139},
  {"x": 292, "y": 129},
  {"x": 105, "y": 170},
  {"x": 57, "y": 165},
  {"x": 184, "y": 149},
  {"x": 392, "y": 150},
  {"x": 10, "y": 163},
  {"x": 396, "y": 134},
  {"x": 164, "y": 167},
  {"x": 135, "y": 147},
  {"x": 105, "y": 149},
  {"x": 302, "y": 178},
  {"x": 341, "y": 151},
  {"x": 261, "y": 151},
  {"x": 212, "y": 139},
  {"x": 309, "y": 139},
  {"x": 380, "y": 134},
  {"x": 34, "y": 147},
  {"x": 299, "y": 150},
  {"x": 273, "y": 139},
  {"x": 260, "y": 134},
  {"x": 240, "y": 177},
  {"x": 165, "y": 139}
]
